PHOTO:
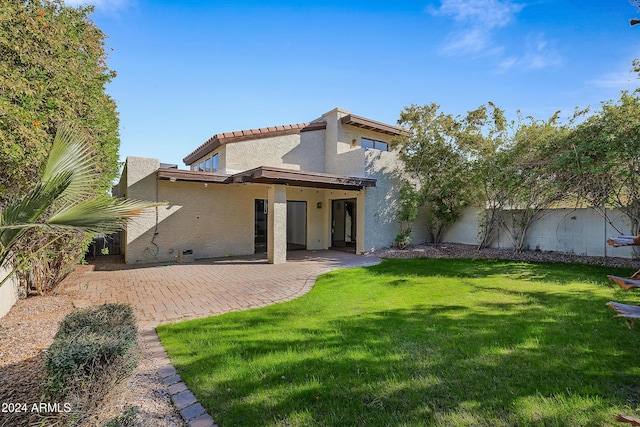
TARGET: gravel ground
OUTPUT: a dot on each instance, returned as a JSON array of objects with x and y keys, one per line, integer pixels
[
  {"x": 25, "y": 334},
  {"x": 28, "y": 329},
  {"x": 457, "y": 250}
]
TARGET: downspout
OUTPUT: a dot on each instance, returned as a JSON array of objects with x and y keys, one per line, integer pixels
[{"x": 154, "y": 252}]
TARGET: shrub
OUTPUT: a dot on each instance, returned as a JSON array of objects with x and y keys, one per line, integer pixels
[
  {"x": 93, "y": 350},
  {"x": 126, "y": 419}
]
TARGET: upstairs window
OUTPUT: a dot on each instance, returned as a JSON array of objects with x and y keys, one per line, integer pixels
[
  {"x": 208, "y": 165},
  {"x": 372, "y": 143},
  {"x": 214, "y": 163}
]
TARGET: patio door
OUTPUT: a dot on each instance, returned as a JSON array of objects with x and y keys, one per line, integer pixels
[
  {"x": 296, "y": 225},
  {"x": 343, "y": 224},
  {"x": 260, "y": 226}
]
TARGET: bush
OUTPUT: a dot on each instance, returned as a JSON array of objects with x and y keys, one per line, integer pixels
[
  {"x": 92, "y": 351},
  {"x": 126, "y": 419}
]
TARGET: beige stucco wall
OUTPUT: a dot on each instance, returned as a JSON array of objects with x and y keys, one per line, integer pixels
[
  {"x": 302, "y": 151},
  {"x": 381, "y": 226},
  {"x": 345, "y": 156},
  {"x": 215, "y": 220},
  {"x": 210, "y": 221},
  {"x": 316, "y": 238},
  {"x": 334, "y": 150}
]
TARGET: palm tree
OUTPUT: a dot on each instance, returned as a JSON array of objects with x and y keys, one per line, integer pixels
[{"x": 63, "y": 200}]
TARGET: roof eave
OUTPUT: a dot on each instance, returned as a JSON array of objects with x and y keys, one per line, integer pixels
[
  {"x": 251, "y": 134},
  {"x": 372, "y": 125}
]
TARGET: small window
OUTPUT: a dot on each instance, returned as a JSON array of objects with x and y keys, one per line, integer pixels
[
  {"x": 214, "y": 163},
  {"x": 366, "y": 143},
  {"x": 372, "y": 143},
  {"x": 207, "y": 165},
  {"x": 201, "y": 167}
]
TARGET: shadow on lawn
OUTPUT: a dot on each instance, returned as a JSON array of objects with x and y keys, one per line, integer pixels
[
  {"x": 430, "y": 364},
  {"x": 465, "y": 268}
]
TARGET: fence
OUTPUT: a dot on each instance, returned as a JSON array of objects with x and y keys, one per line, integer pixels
[
  {"x": 8, "y": 291},
  {"x": 576, "y": 231}
]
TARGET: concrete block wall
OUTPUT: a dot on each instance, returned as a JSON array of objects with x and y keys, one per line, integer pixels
[
  {"x": 8, "y": 292},
  {"x": 574, "y": 231}
]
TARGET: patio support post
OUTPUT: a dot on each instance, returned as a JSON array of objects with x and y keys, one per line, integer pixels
[
  {"x": 360, "y": 219},
  {"x": 277, "y": 218}
]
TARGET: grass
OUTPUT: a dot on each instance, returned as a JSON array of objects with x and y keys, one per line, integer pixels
[{"x": 421, "y": 342}]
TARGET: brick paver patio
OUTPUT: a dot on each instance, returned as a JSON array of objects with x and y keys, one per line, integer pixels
[{"x": 162, "y": 293}]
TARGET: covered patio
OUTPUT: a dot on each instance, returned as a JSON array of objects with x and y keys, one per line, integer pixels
[{"x": 285, "y": 186}]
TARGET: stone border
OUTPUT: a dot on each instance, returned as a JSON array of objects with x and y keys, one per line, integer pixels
[{"x": 193, "y": 413}]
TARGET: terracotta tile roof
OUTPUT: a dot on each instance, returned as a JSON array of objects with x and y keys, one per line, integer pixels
[{"x": 269, "y": 132}]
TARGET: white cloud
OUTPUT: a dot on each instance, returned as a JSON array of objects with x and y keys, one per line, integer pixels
[
  {"x": 616, "y": 80},
  {"x": 479, "y": 19},
  {"x": 473, "y": 40},
  {"x": 538, "y": 53},
  {"x": 485, "y": 14},
  {"x": 477, "y": 25}
]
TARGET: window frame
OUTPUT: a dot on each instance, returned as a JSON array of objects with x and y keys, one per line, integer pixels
[{"x": 374, "y": 144}]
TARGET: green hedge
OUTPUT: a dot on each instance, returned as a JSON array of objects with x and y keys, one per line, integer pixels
[{"x": 93, "y": 350}]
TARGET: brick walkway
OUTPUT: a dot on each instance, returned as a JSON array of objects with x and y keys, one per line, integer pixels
[
  {"x": 172, "y": 292},
  {"x": 162, "y": 293}
]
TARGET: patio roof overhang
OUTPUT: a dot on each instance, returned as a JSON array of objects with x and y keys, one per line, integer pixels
[
  {"x": 271, "y": 175},
  {"x": 189, "y": 175}
]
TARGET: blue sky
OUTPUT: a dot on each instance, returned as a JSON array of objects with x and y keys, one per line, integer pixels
[{"x": 191, "y": 69}]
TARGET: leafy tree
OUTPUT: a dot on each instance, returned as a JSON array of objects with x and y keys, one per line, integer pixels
[
  {"x": 407, "y": 213},
  {"x": 52, "y": 71},
  {"x": 486, "y": 139},
  {"x": 600, "y": 158},
  {"x": 437, "y": 164},
  {"x": 529, "y": 181},
  {"x": 63, "y": 201}
]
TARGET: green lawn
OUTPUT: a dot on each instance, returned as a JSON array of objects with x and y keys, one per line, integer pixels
[{"x": 421, "y": 342}]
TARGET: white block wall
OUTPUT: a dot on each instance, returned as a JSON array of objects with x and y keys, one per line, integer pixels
[
  {"x": 575, "y": 231},
  {"x": 8, "y": 292}
]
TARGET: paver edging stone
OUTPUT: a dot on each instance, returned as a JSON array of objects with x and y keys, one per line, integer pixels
[{"x": 193, "y": 413}]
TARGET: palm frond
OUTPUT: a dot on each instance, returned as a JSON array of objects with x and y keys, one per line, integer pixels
[
  {"x": 30, "y": 208},
  {"x": 71, "y": 153},
  {"x": 98, "y": 215},
  {"x": 65, "y": 198}
]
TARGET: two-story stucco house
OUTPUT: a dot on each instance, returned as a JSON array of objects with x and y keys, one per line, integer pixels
[{"x": 328, "y": 183}]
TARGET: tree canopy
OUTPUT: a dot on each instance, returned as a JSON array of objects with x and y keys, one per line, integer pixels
[
  {"x": 438, "y": 166},
  {"x": 516, "y": 170},
  {"x": 53, "y": 71}
]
